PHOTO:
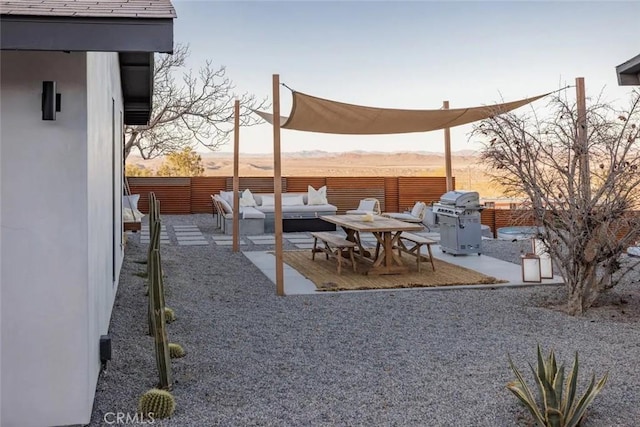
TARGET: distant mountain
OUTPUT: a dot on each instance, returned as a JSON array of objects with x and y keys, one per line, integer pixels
[{"x": 321, "y": 153}]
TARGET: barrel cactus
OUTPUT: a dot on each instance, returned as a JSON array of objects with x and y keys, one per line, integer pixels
[
  {"x": 176, "y": 351},
  {"x": 156, "y": 403},
  {"x": 169, "y": 315}
]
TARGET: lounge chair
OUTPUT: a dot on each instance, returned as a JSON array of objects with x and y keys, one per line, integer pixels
[
  {"x": 415, "y": 215},
  {"x": 218, "y": 211},
  {"x": 369, "y": 205}
]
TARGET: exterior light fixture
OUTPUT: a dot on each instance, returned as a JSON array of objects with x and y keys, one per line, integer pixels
[{"x": 50, "y": 100}]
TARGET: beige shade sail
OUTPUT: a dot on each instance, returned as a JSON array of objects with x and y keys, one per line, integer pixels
[{"x": 313, "y": 114}]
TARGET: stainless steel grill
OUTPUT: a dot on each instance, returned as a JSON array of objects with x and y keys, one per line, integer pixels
[{"x": 458, "y": 213}]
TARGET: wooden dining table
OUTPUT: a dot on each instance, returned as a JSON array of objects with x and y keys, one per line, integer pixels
[{"x": 387, "y": 231}]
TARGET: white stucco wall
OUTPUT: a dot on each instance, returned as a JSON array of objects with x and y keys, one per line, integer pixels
[
  {"x": 104, "y": 107},
  {"x": 56, "y": 214}
]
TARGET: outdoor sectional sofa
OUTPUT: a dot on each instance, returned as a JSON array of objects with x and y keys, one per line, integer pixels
[{"x": 297, "y": 213}]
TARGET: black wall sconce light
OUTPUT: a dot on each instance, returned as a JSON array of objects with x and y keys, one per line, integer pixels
[{"x": 50, "y": 100}]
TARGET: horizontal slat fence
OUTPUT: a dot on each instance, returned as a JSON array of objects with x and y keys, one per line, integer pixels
[
  {"x": 193, "y": 195},
  {"x": 174, "y": 193},
  {"x": 346, "y": 192},
  {"x": 257, "y": 184},
  {"x": 299, "y": 184},
  {"x": 488, "y": 217},
  {"x": 512, "y": 217},
  {"x": 202, "y": 187},
  {"x": 426, "y": 189},
  {"x": 391, "y": 193}
]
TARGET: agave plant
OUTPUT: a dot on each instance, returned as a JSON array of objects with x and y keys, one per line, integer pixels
[{"x": 559, "y": 404}]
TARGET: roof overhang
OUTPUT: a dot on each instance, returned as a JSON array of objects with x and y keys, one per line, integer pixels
[
  {"x": 136, "y": 74},
  {"x": 136, "y": 39},
  {"x": 86, "y": 34},
  {"x": 629, "y": 72}
]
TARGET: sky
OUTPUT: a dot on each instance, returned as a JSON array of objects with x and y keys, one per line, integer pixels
[{"x": 411, "y": 55}]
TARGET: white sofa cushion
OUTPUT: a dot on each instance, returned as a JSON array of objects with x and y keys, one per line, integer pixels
[
  {"x": 317, "y": 197},
  {"x": 407, "y": 217},
  {"x": 225, "y": 205},
  {"x": 267, "y": 200},
  {"x": 292, "y": 200},
  {"x": 228, "y": 196},
  {"x": 131, "y": 215},
  {"x": 249, "y": 212}
]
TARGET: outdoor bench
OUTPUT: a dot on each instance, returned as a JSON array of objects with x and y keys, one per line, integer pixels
[
  {"x": 333, "y": 246},
  {"x": 418, "y": 242}
]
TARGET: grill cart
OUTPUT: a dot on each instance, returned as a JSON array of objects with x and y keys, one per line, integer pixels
[{"x": 458, "y": 214}]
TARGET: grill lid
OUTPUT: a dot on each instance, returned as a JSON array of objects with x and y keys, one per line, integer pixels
[{"x": 461, "y": 198}]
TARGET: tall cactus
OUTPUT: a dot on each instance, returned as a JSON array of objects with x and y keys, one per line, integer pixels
[{"x": 163, "y": 359}]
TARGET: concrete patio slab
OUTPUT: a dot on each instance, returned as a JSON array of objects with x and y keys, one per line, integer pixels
[
  {"x": 200, "y": 237},
  {"x": 294, "y": 282},
  {"x": 222, "y": 237},
  {"x": 271, "y": 241},
  {"x": 193, "y": 242},
  {"x": 228, "y": 242}
]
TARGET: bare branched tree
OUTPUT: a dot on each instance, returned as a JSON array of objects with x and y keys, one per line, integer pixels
[
  {"x": 198, "y": 109},
  {"x": 582, "y": 196}
]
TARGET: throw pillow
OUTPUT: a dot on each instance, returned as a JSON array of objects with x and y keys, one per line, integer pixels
[
  {"x": 267, "y": 201},
  {"x": 317, "y": 197},
  {"x": 131, "y": 201},
  {"x": 226, "y": 205},
  {"x": 247, "y": 198},
  {"x": 417, "y": 209},
  {"x": 292, "y": 201}
]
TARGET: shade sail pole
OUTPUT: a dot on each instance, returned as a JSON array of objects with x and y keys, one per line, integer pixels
[
  {"x": 236, "y": 178},
  {"x": 581, "y": 106},
  {"x": 277, "y": 185},
  {"x": 447, "y": 151}
]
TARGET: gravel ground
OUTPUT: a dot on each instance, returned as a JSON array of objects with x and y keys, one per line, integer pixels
[{"x": 399, "y": 358}]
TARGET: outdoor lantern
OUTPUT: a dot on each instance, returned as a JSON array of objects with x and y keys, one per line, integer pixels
[
  {"x": 50, "y": 100},
  {"x": 531, "y": 268},
  {"x": 546, "y": 266}
]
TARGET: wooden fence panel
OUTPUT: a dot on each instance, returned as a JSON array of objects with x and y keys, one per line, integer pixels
[
  {"x": 202, "y": 187},
  {"x": 299, "y": 184},
  {"x": 412, "y": 189},
  {"x": 257, "y": 184},
  {"x": 174, "y": 193},
  {"x": 512, "y": 217},
  {"x": 355, "y": 181},
  {"x": 488, "y": 217},
  {"x": 346, "y": 192},
  {"x": 391, "y": 192}
]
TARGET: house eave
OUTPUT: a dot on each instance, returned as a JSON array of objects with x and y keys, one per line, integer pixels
[
  {"x": 629, "y": 72},
  {"x": 86, "y": 34},
  {"x": 135, "y": 39},
  {"x": 136, "y": 74}
]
